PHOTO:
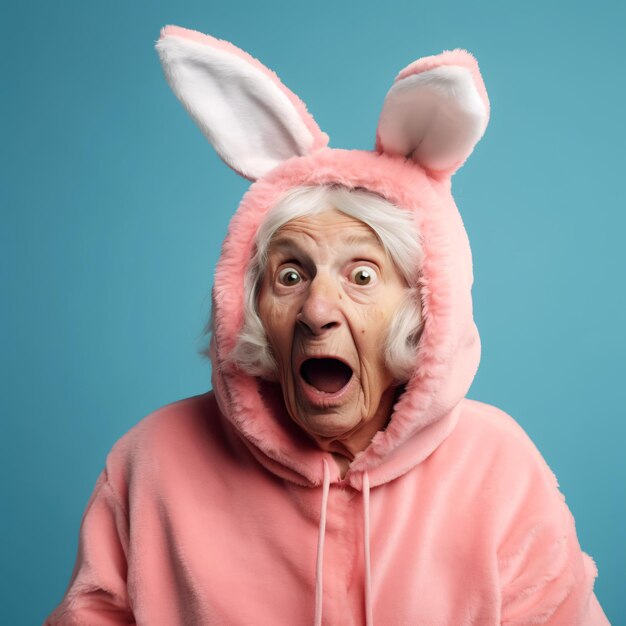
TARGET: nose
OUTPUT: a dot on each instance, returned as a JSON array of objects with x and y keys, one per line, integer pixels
[{"x": 320, "y": 309}]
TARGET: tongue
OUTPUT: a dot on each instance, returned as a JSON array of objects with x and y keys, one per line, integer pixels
[{"x": 328, "y": 375}]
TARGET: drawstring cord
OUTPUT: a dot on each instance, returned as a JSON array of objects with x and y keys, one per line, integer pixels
[
  {"x": 369, "y": 619},
  {"x": 319, "y": 568}
]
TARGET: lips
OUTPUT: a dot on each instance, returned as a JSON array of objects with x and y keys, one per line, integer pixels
[{"x": 326, "y": 375}]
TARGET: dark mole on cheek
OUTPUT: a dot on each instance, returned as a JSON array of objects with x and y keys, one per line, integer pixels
[{"x": 363, "y": 331}]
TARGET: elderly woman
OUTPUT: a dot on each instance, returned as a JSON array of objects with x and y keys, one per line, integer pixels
[{"x": 336, "y": 474}]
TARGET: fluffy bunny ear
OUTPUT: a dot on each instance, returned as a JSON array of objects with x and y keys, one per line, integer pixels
[
  {"x": 435, "y": 112},
  {"x": 251, "y": 119}
]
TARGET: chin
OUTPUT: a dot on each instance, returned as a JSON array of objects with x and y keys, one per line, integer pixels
[{"x": 326, "y": 424}]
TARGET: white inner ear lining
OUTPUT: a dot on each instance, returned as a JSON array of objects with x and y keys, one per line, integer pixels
[
  {"x": 250, "y": 121},
  {"x": 435, "y": 117}
]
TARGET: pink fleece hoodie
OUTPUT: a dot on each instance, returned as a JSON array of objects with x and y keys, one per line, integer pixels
[{"x": 218, "y": 510}]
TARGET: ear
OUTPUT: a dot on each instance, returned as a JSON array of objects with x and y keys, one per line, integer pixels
[
  {"x": 252, "y": 120},
  {"x": 435, "y": 112}
]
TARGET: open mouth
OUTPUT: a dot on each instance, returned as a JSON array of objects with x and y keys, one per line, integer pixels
[{"x": 326, "y": 375}]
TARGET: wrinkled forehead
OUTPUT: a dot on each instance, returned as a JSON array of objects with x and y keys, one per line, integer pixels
[{"x": 330, "y": 227}]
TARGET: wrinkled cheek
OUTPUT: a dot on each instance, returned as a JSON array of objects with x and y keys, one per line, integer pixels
[
  {"x": 276, "y": 337},
  {"x": 371, "y": 347},
  {"x": 289, "y": 393},
  {"x": 375, "y": 376},
  {"x": 282, "y": 356}
]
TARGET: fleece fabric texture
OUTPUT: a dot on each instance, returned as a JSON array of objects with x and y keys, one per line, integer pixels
[{"x": 217, "y": 510}]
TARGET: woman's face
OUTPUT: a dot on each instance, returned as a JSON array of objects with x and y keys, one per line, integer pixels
[{"x": 327, "y": 298}]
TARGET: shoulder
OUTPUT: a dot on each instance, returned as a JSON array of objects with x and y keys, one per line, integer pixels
[
  {"x": 502, "y": 450},
  {"x": 172, "y": 422},
  {"x": 489, "y": 420},
  {"x": 540, "y": 562},
  {"x": 163, "y": 438},
  {"x": 495, "y": 430},
  {"x": 510, "y": 473}
]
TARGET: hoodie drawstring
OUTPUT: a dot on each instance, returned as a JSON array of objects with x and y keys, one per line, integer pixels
[
  {"x": 319, "y": 568},
  {"x": 367, "y": 591}
]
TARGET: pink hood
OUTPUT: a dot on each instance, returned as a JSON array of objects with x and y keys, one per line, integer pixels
[
  {"x": 449, "y": 349},
  {"x": 431, "y": 119}
]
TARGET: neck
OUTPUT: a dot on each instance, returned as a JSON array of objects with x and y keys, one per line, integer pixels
[
  {"x": 345, "y": 447},
  {"x": 343, "y": 463}
]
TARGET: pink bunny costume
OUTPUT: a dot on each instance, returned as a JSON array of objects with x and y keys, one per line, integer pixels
[{"x": 217, "y": 510}]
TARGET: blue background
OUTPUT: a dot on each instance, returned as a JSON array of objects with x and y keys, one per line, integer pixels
[{"x": 114, "y": 207}]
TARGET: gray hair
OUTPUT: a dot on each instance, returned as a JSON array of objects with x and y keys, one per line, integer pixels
[{"x": 399, "y": 236}]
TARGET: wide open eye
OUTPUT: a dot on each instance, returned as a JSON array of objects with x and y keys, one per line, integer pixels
[
  {"x": 363, "y": 275},
  {"x": 289, "y": 276}
]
